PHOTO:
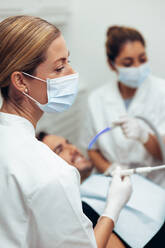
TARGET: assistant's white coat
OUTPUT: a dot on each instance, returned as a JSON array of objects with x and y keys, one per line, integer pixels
[
  {"x": 39, "y": 193},
  {"x": 106, "y": 105}
]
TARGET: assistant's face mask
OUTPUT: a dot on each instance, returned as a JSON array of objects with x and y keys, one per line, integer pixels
[
  {"x": 61, "y": 93},
  {"x": 133, "y": 77}
]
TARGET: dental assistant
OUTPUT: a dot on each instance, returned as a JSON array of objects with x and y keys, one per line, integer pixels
[
  {"x": 39, "y": 191},
  {"x": 134, "y": 92}
]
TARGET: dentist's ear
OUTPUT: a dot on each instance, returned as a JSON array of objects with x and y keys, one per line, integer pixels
[
  {"x": 111, "y": 65},
  {"x": 17, "y": 80}
]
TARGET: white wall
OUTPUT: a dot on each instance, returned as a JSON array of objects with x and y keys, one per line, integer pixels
[{"x": 86, "y": 31}]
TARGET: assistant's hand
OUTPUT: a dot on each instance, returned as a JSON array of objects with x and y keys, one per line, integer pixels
[
  {"x": 133, "y": 129},
  {"x": 119, "y": 193}
]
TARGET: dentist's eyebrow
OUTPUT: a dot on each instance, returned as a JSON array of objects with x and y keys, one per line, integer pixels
[
  {"x": 127, "y": 58},
  {"x": 62, "y": 58},
  {"x": 142, "y": 54},
  {"x": 67, "y": 141}
]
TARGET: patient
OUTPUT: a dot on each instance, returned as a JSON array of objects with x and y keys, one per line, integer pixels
[
  {"x": 68, "y": 152},
  {"x": 73, "y": 156}
]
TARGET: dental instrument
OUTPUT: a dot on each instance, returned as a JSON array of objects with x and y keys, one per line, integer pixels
[{"x": 140, "y": 170}]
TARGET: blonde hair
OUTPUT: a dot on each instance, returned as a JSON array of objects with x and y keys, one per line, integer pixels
[{"x": 23, "y": 44}]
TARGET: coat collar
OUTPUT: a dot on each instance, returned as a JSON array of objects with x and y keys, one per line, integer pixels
[{"x": 112, "y": 93}]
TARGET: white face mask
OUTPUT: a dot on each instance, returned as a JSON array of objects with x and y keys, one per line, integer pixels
[
  {"x": 133, "y": 76},
  {"x": 61, "y": 93}
]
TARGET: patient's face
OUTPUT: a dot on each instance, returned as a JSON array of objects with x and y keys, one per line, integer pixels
[{"x": 68, "y": 152}]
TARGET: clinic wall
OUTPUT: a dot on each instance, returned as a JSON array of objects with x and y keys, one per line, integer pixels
[
  {"x": 85, "y": 30},
  {"x": 85, "y": 33},
  {"x": 87, "y": 27}
]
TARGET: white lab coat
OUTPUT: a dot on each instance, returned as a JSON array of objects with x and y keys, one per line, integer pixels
[
  {"x": 106, "y": 105},
  {"x": 40, "y": 205}
]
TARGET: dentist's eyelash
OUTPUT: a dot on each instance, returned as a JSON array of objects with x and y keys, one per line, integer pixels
[
  {"x": 62, "y": 67},
  {"x": 59, "y": 69}
]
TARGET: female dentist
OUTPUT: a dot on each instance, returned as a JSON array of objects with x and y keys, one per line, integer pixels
[
  {"x": 39, "y": 191},
  {"x": 134, "y": 92}
]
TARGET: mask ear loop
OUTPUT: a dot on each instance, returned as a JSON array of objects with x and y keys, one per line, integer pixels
[
  {"x": 34, "y": 77},
  {"x": 25, "y": 93},
  {"x": 31, "y": 98}
]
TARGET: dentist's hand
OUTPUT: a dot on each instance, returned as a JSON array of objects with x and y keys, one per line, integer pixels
[
  {"x": 133, "y": 129},
  {"x": 119, "y": 193},
  {"x": 112, "y": 168}
]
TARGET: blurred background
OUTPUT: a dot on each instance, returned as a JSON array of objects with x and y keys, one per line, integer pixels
[{"x": 84, "y": 24}]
